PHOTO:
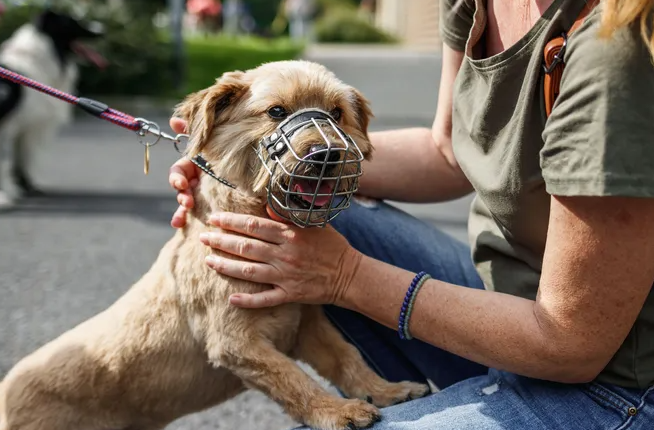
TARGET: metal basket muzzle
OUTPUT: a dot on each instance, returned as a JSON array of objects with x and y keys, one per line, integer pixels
[{"x": 320, "y": 184}]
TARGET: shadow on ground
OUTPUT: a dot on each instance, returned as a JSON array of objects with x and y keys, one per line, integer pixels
[{"x": 152, "y": 207}]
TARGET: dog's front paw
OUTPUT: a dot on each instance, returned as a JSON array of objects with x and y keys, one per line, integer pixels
[
  {"x": 394, "y": 393},
  {"x": 340, "y": 414}
]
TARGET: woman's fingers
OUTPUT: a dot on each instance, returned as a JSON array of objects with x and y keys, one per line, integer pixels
[
  {"x": 185, "y": 198},
  {"x": 260, "y": 228},
  {"x": 245, "y": 247},
  {"x": 245, "y": 270},
  {"x": 179, "y": 217},
  {"x": 181, "y": 173},
  {"x": 186, "y": 202},
  {"x": 178, "y": 125},
  {"x": 273, "y": 297}
]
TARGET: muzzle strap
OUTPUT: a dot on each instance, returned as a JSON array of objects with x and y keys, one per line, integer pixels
[
  {"x": 274, "y": 143},
  {"x": 204, "y": 165}
]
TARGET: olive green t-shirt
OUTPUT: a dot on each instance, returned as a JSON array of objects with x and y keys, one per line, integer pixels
[{"x": 598, "y": 141}]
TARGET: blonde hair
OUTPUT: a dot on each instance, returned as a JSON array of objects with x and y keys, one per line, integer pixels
[{"x": 619, "y": 14}]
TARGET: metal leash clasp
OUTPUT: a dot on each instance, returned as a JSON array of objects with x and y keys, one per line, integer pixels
[
  {"x": 152, "y": 128},
  {"x": 148, "y": 127},
  {"x": 180, "y": 138}
]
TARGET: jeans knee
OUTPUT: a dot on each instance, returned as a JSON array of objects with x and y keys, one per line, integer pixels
[{"x": 358, "y": 221}]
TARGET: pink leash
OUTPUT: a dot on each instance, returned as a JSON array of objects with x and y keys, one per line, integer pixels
[
  {"x": 100, "y": 110},
  {"x": 93, "y": 107}
]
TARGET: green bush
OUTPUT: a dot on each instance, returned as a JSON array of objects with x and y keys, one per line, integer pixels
[
  {"x": 14, "y": 17},
  {"x": 325, "y": 5},
  {"x": 263, "y": 12},
  {"x": 139, "y": 59},
  {"x": 344, "y": 25},
  {"x": 208, "y": 58}
]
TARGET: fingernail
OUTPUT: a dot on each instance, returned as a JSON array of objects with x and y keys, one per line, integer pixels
[
  {"x": 204, "y": 237},
  {"x": 178, "y": 183},
  {"x": 212, "y": 260},
  {"x": 215, "y": 218},
  {"x": 235, "y": 299}
]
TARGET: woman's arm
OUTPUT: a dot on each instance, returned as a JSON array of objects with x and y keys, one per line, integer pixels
[
  {"x": 418, "y": 164},
  {"x": 597, "y": 272}
]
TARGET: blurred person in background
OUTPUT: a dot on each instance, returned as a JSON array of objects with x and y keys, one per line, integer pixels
[
  {"x": 300, "y": 14},
  {"x": 206, "y": 14},
  {"x": 367, "y": 9}
]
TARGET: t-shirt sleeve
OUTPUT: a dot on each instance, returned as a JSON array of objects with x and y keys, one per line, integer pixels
[
  {"x": 456, "y": 18},
  {"x": 599, "y": 139}
]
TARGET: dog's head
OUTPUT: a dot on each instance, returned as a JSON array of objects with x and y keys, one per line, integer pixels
[
  {"x": 289, "y": 130},
  {"x": 68, "y": 33}
]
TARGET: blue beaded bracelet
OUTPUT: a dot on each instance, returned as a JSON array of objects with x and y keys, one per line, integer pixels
[{"x": 407, "y": 305}]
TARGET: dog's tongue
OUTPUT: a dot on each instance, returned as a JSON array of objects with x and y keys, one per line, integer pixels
[
  {"x": 309, "y": 187},
  {"x": 89, "y": 54}
]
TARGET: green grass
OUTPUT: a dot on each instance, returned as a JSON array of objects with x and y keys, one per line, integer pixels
[{"x": 208, "y": 58}]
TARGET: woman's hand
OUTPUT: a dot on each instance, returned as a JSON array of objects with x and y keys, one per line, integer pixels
[
  {"x": 183, "y": 176},
  {"x": 314, "y": 265}
]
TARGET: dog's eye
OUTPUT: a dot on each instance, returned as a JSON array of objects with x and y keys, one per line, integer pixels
[
  {"x": 336, "y": 114},
  {"x": 277, "y": 112}
]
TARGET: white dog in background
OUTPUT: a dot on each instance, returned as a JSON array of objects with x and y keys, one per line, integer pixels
[{"x": 42, "y": 50}]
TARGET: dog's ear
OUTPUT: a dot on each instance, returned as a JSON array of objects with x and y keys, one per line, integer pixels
[
  {"x": 363, "y": 115},
  {"x": 363, "y": 112},
  {"x": 189, "y": 107},
  {"x": 204, "y": 110}
]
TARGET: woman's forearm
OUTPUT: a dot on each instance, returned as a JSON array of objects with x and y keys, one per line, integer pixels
[
  {"x": 497, "y": 330},
  {"x": 407, "y": 165},
  {"x": 417, "y": 164}
]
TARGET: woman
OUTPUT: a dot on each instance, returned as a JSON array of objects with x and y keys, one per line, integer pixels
[{"x": 556, "y": 327}]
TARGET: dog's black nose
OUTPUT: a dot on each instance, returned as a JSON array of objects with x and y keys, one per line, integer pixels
[{"x": 321, "y": 154}]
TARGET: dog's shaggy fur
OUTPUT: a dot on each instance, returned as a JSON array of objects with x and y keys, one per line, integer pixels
[{"x": 172, "y": 345}]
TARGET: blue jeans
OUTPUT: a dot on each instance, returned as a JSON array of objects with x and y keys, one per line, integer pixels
[{"x": 471, "y": 396}]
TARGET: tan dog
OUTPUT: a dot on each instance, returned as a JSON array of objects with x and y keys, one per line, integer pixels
[{"x": 172, "y": 345}]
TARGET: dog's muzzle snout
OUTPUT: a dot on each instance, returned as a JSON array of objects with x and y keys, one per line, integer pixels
[
  {"x": 322, "y": 154},
  {"x": 310, "y": 190}
]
